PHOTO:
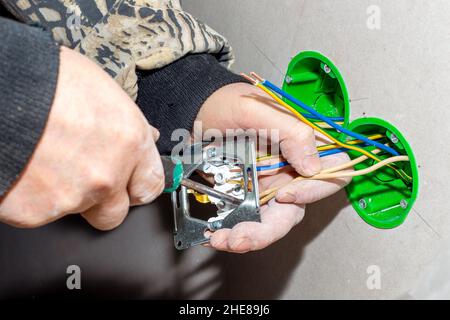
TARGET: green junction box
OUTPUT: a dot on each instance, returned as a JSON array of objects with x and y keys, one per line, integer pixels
[{"x": 382, "y": 198}]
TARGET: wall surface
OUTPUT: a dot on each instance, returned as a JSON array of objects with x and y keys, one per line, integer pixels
[{"x": 399, "y": 72}]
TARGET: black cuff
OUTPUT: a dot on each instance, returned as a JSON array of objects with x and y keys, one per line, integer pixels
[
  {"x": 171, "y": 97},
  {"x": 29, "y": 61}
]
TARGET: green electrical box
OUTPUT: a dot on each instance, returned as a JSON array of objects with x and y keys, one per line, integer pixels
[{"x": 382, "y": 198}]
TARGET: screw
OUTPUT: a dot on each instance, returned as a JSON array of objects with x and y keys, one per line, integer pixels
[
  {"x": 326, "y": 68},
  {"x": 219, "y": 178},
  {"x": 404, "y": 204},
  {"x": 217, "y": 224},
  {"x": 212, "y": 153},
  {"x": 288, "y": 79},
  {"x": 362, "y": 204},
  {"x": 220, "y": 204},
  {"x": 394, "y": 138}
]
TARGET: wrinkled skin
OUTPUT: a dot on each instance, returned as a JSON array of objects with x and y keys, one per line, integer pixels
[
  {"x": 245, "y": 106},
  {"x": 97, "y": 155}
]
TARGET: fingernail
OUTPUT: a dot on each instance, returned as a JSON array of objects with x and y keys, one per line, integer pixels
[
  {"x": 311, "y": 165},
  {"x": 287, "y": 197}
]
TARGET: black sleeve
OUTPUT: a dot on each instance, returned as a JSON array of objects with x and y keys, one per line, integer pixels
[
  {"x": 29, "y": 61},
  {"x": 171, "y": 97}
]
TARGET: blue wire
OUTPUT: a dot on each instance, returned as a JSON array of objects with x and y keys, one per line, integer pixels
[
  {"x": 310, "y": 116},
  {"x": 331, "y": 152},
  {"x": 273, "y": 166},
  {"x": 328, "y": 121}
]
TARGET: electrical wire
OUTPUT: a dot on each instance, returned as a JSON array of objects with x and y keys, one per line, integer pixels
[
  {"x": 311, "y": 116},
  {"x": 340, "y": 174},
  {"x": 285, "y": 163},
  {"x": 400, "y": 172},
  {"x": 340, "y": 167},
  {"x": 324, "y": 125},
  {"x": 352, "y": 142},
  {"x": 272, "y": 166},
  {"x": 328, "y": 150},
  {"x": 339, "y": 128},
  {"x": 313, "y": 126},
  {"x": 325, "y": 147},
  {"x": 349, "y": 164}
]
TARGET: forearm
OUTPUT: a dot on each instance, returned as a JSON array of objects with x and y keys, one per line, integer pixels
[{"x": 29, "y": 61}]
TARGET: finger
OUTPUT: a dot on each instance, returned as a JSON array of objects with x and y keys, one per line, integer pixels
[
  {"x": 299, "y": 149},
  {"x": 109, "y": 214},
  {"x": 276, "y": 221},
  {"x": 275, "y": 181},
  {"x": 309, "y": 191},
  {"x": 147, "y": 180}
]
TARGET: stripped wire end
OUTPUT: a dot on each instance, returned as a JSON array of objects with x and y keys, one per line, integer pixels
[
  {"x": 258, "y": 77},
  {"x": 249, "y": 78}
]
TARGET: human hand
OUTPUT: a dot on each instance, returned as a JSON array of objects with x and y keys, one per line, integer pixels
[
  {"x": 244, "y": 106},
  {"x": 97, "y": 155}
]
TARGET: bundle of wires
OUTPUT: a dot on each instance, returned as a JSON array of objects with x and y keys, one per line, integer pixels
[{"x": 304, "y": 113}]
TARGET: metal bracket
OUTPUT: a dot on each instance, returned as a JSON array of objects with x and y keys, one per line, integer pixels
[{"x": 240, "y": 153}]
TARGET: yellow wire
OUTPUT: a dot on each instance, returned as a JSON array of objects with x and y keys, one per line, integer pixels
[
  {"x": 271, "y": 193},
  {"x": 352, "y": 142},
  {"x": 324, "y": 147},
  {"x": 310, "y": 124},
  {"x": 266, "y": 157},
  {"x": 325, "y": 125}
]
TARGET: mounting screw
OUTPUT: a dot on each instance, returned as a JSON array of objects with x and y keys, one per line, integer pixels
[
  {"x": 327, "y": 69},
  {"x": 220, "y": 204},
  {"x": 217, "y": 224},
  {"x": 404, "y": 204},
  {"x": 288, "y": 79},
  {"x": 219, "y": 178},
  {"x": 212, "y": 153},
  {"x": 362, "y": 204},
  {"x": 394, "y": 138}
]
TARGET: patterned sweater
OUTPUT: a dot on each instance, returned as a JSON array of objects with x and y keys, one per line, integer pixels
[{"x": 124, "y": 35}]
